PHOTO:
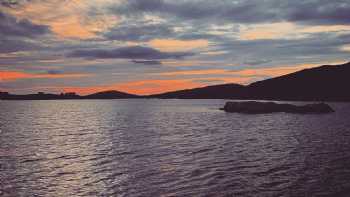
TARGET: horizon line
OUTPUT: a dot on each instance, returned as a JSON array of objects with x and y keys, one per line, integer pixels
[{"x": 145, "y": 95}]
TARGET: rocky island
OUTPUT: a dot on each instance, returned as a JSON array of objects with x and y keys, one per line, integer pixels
[{"x": 254, "y": 107}]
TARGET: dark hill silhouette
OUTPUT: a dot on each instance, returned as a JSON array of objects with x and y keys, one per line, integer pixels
[
  {"x": 210, "y": 92},
  {"x": 112, "y": 94},
  {"x": 39, "y": 96},
  {"x": 45, "y": 96},
  {"x": 326, "y": 83}
]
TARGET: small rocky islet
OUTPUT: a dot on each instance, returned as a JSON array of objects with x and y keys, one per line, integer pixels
[{"x": 255, "y": 107}]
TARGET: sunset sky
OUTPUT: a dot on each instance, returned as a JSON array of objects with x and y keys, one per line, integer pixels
[{"x": 153, "y": 46}]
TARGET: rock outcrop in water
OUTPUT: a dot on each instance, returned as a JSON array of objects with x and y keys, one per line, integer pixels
[{"x": 254, "y": 107}]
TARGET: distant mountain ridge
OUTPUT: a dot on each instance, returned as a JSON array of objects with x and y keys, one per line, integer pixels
[
  {"x": 324, "y": 83},
  {"x": 64, "y": 96},
  {"x": 209, "y": 92},
  {"x": 111, "y": 94}
]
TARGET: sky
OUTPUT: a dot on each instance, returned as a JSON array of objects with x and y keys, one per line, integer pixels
[{"x": 154, "y": 46}]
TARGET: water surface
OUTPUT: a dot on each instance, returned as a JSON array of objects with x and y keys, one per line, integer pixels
[{"x": 169, "y": 148}]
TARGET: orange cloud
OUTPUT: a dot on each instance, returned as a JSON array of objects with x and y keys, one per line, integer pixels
[
  {"x": 271, "y": 72},
  {"x": 277, "y": 71},
  {"x": 67, "y": 19},
  {"x": 266, "y": 31},
  {"x": 325, "y": 28},
  {"x": 285, "y": 30},
  {"x": 170, "y": 45},
  {"x": 14, "y": 75},
  {"x": 9, "y": 75},
  {"x": 71, "y": 28},
  {"x": 345, "y": 48}
]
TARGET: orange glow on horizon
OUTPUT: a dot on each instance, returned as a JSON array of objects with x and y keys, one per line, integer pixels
[
  {"x": 143, "y": 87},
  {"x": 149, "y": 87},
  {"x": 14, "y": 75},
  {"x": 277, "y": 71},
  {"x": 156, "y": 86}
]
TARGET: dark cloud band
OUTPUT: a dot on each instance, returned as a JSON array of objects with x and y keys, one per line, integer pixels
[
  {"x": 245, "y": 11},
  {"x": 12, "y": 27},
  {"x": 133, "y": 52}
]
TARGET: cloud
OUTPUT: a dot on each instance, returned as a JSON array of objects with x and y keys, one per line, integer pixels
[
  {"x": 239, "y": 11},
  {"x": 54, "y": 72},
  {"x": 77, "y": 19},
  {"x": 16, "y": 75},
  {"x": 131, "y": 52},
  {"x": 19, "y": 34},
  {"x": 315, "y": 48},
  {"x": 195, "y": 72},
  {"x": 9, "y": 3},
  {"x": 13, "y": 45},
  {"x": 245, "y": 11},
  {"x": 257, "y": 62},
  {"x": 345, "y": 48},
  {"x": 139, "y": 32},
  {"x": 147, "y": 62},
  {"x": 12, "y": 27},
  {"x": 178, "y": 45},
  {"x": 320, "y": 12}
]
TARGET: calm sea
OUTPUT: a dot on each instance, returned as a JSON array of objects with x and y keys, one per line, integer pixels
[{"x": 169, "y": 148}]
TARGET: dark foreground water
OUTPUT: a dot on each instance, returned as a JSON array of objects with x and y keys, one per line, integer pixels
[{"x": 169, "y": 148}]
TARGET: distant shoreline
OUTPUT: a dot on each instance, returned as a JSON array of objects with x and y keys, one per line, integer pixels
[
  {"x": 152, "y": 98},
  {"x": 324, "y": 83}
]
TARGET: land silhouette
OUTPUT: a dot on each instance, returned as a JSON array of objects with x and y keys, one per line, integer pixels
[
  {"x": 324, "y": 83},
  {"x": 254, "y": 107}
]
